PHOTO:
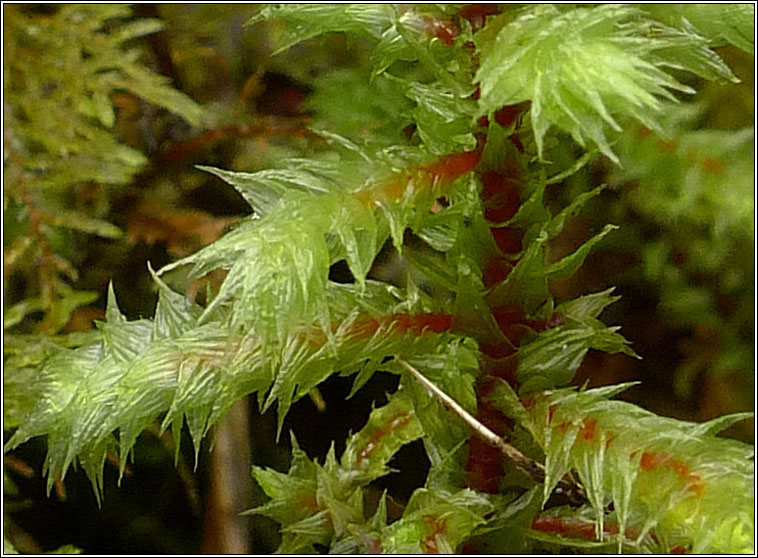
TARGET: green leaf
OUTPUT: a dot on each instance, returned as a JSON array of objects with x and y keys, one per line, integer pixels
[
  {"x": 293, "y": 495},
  {"x": 16, "y": 313},
  {"x": 454, "y": 369},
  {"x": 278, "y": 267},
  {"x": 508, "y": 525},
  {"x": 389, "y": 427},
  {"x": 21, "y": 391},
  {"x": 135, "y": 29},
  {"x": 66, "y": 549},
  {"x": 8, "y": 547},
  {"x": 435, "y": 522},
  {"x": 532, "y": 213},
  {"x": 136, "y": 370},
  {"x": 443, "y": 119},
  {"x": 348, "y": 102},
  {"x": 157, "y": 90},
  {"x": 82, "y": 222},
  {"x": 558, "y": 222},
  {"x": 263, "y": 189},
  {"x": 121, "y": 339},
  {"x": 719, "y": 23},
  {"x": 342, "y": 497},
  {"x": 301, "y": 22},
  {"x": 505, "y": 398},
  {"x": 587, "y": 306},
  {"x": 360, "y": 235},
  {"x": 567, "y": 266},
  {"x": 526, "y": 284},
  {"x": 551, "y": 359},
  {"x": 175, "y": 313}
]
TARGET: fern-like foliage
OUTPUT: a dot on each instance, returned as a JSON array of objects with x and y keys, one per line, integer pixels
[
  {"x": 65, "y": 68},
  {"x": 666, "y": 479},
  {"x": 63, "y": 71},
  {"x": 583, "y": 69},
  {"x": 323, "y": 505},
  {"x": 706, "y": 230},
  {"x": 277, "y": 322},
  {"x": 732, "y": 24},
  {"x": 462, "y": 199}
]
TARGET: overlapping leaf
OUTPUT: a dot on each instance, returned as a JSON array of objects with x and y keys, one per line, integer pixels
[
  {"x": 719, "y": 23},
  {"x": 435, "y": 522},
  {"x": 444, "y": 112},
  {"x": 665, "y": 478},
  {"x": 74, "y": 126},
  {"x": 583, "y": 69},
  {"x": 187, "y": 371},
  {"x": 65, "y": 69},
  {"x": 320, "y": 504},
  {"x": 278, "y": 327},
  {"x": 302, "y": 22}
]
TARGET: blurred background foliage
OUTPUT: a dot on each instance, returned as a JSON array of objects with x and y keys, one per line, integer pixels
[
  {"x": 108, "y": 108},
  {"x": 684, "y": 260}
]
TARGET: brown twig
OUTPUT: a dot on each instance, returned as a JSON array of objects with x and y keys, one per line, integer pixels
[{"x": 573, "y": 491}]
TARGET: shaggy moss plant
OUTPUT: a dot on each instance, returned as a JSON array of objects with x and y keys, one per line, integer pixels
[{"x": 441, "y": 137}]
